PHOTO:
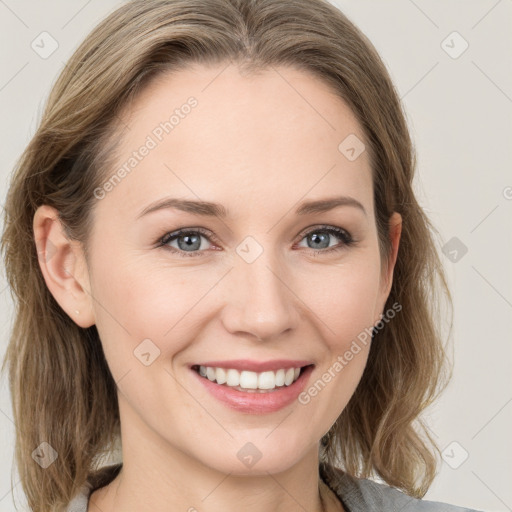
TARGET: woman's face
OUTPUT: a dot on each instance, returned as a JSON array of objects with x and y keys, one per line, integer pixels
[{"x": 261, "y": 282}]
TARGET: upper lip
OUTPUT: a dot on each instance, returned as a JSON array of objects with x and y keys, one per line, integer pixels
[{"x": 255, "y": 366}]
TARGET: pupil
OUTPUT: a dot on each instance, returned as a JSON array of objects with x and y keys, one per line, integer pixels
[
  {"x": 318, "y": 239},
  {"x": 193, "y": 242}
]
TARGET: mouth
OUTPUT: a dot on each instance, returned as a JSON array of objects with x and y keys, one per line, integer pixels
[
  {"x": 249, "y": 391},
  {"x": 247, "y": 381}
]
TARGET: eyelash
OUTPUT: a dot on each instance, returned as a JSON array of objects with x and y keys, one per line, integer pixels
[{"x": 344, "y": 235}]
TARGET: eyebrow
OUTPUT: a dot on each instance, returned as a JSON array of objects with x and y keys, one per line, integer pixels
[{"x": 208, "y": 209}]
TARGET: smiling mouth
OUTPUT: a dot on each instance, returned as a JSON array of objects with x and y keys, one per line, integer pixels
[{"x": 249, "y": 381}]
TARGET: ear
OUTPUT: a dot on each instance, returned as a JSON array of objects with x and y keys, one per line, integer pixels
[
  {"x": 395, "y": 230},
  {"x": 63, "y": 266}
]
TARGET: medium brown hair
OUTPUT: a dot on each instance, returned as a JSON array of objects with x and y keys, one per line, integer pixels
[{"x": 63, "y": 392}]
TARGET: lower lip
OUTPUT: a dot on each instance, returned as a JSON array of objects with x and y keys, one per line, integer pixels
[{"x": 257, "y": 403}]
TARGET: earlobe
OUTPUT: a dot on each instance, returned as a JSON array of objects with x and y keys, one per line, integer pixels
[{"x": 62, "y": 265}]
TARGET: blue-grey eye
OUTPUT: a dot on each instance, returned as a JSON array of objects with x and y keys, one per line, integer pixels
[
  {"x": 321, "y": 238},
  {"x": 187, "y": 241},
  {"x": 319, "y": 241}
]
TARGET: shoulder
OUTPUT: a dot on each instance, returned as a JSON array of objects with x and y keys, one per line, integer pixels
[
  {"x": 358, "y": 495},
  {"x": 390, "y": 498}
]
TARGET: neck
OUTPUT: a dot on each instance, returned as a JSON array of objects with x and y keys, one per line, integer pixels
[{"x": 149, "y": 488}]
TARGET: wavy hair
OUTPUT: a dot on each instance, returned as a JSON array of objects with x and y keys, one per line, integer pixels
[{"x": 63, "y": 392}]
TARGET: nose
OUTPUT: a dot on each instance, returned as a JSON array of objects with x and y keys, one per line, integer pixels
[{"x": 260, "y": 300}]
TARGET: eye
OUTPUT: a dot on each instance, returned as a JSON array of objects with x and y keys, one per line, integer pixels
[
  {"x": 189, "y": 241},
  {"x": 320, "y": 238}
]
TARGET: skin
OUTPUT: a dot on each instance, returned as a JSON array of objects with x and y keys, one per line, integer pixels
[{"x": 259, "y": 147}]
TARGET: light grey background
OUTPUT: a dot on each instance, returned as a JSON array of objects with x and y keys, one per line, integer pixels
[{"x": 460, "y": 112}]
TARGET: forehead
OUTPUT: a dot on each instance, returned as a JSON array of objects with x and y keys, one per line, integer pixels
[{"x": 216, "y": 134}]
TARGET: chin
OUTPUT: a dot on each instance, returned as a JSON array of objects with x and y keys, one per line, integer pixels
[{"x": 257, "y": 456}]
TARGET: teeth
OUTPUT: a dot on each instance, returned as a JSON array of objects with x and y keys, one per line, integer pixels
[
  {"x": 233, "y": 378},
  {"x": 267, "y": 380},
  {"x": 250, "y": 380},
  {"x": 210, "y": 373},
  {"x": 220, "y": 375}
]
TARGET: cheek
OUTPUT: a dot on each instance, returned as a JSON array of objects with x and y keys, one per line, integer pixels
[
  {"x": 346, "y": 307},
  {"x": 344, "y": 299},
  {"x": 136, "y": 300}
]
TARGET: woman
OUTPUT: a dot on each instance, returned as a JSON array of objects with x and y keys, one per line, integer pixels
[{"x": 220, "y": 264}]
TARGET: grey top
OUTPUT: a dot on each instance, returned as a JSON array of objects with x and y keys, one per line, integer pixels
[
  {"x": 356, "y": 494},
  {"x": 363, "y": 495}
]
